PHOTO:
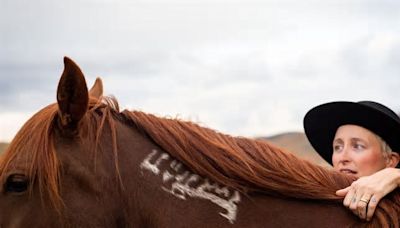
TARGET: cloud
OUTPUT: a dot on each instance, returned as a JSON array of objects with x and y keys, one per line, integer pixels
[
  {"x": 243, "y": 67},
  {"x": 11, "y": 122},
  {"x": 26, "y": 86}
]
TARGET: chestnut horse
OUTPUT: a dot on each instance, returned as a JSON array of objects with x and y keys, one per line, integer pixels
[{"x": 82, "y": 163}]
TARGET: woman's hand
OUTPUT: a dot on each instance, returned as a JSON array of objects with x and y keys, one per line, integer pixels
[{"x": 364, "y": 194}]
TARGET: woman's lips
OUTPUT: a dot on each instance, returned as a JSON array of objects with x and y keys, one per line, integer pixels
[{"x": 348, "y": 171}]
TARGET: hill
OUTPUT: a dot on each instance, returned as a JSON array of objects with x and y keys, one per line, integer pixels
[
  {"x": 3, "y": 147},
  {"x": 297, "y": 143}
]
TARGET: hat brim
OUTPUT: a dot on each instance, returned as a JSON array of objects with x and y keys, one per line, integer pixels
[{"x": 321, "y": 123}]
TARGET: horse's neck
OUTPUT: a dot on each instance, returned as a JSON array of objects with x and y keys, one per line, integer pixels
[
  {"x": 150, "y": 173},
  {"x": 160, "y": 189}
]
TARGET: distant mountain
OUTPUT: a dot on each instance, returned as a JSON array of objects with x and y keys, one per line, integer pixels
[
  {"x": 296, "y": 143},
  {"x": 3, "y": 147}
]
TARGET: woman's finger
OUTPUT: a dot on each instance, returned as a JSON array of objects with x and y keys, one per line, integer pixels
[
  {"x": 348, "y": 198},
  {"x": 343, "y": 192},
  {"x": 362, "y": 205},
  {"x": 372, "y": 206},
  {"x": 354, "y": 201}
]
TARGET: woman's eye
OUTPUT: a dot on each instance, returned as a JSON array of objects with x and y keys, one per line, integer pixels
[
  {"x": 16, "y": 184},
  {"x": 337, "y": 147},
  {"x": 359, "y": 146}
]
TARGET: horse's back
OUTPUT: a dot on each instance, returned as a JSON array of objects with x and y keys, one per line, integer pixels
[
  {"x": 269, "y": 211},
  {"x": 274, "y": 213}
]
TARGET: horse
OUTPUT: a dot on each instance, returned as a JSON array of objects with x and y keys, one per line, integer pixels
[{"x": 81, "y": 162}]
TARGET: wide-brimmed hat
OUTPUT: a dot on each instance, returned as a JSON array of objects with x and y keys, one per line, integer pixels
[{"x": 321, "y": 123}]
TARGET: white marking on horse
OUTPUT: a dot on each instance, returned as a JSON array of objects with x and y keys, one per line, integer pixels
[
  {"x": 146, "y": 164},
  {"x": 223, "y": 191},
  {"x": 181, "y": 189},
  {"x": 167, "y": 176},
  {"x": 180, "y": 186}
]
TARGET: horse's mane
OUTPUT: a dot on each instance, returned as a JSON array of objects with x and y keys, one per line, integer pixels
[
  {"x": 242, "y": 163},
  {"x": 245, "y": 164}
]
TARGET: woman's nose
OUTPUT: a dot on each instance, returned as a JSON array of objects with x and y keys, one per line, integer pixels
[{"x": 345, "y": 155}]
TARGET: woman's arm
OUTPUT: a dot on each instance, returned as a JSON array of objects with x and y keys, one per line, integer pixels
[{"x": 364, "y": 194}]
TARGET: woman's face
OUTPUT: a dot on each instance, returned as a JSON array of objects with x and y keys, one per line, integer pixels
[{"x": 357, "y": 151}]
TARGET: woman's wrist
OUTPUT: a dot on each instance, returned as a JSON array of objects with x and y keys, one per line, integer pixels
[{"x": 397, "y": 176}]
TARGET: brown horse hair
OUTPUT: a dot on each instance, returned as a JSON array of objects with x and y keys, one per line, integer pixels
[
  {"x": 37, "y": 137},
  {"x": 41, "y": 163},
  {"x": 244, "y": 164}
]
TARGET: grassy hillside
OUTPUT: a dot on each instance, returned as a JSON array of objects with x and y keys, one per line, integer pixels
[
  {"x": 297, "y": 143},
  {"x": 3, "y": 147}
]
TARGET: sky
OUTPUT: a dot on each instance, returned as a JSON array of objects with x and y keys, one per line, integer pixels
[{"x": 243, "y": 67}]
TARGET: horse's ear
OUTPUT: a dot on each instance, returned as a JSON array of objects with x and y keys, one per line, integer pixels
[
  {"x": 72, "y": 95},
  {"x": 97, "y": 89}
]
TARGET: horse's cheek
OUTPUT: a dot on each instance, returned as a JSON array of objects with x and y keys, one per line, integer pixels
[{"x": 20, "y": 211}]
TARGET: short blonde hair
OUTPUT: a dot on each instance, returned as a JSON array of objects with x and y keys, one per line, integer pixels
[{"x": 384, "y": 146}]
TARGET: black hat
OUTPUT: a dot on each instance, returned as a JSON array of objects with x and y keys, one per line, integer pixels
[{"x": 321, "y": 123}]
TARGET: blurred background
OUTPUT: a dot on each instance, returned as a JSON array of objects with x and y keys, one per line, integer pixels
[{"x": 243, "y": 67}]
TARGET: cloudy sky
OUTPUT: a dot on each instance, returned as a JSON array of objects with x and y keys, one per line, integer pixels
[{"x": 243, "y": 67}]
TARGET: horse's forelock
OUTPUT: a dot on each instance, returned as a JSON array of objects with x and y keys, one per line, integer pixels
[{"x": 33, "y": 146}]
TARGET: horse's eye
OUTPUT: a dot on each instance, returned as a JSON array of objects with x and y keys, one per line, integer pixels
[{"x": 16, "y": 183}]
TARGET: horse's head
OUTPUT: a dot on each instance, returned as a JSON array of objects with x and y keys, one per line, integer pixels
[{"x": 60, "y": 143}]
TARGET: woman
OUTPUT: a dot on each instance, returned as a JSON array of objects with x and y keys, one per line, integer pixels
[{"x": 360, "y": 139}]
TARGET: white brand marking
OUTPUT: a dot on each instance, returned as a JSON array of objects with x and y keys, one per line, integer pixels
[{"x": 182, "y": 185}]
